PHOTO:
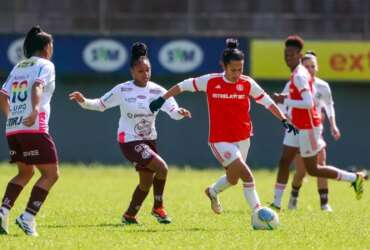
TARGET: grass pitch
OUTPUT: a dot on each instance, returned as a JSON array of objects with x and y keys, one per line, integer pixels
[{"x": 84, "y": 209}]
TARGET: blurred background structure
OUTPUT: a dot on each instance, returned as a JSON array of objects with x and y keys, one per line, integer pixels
[
  {"x": 92, "y": 40},
  {"x": 324, "y": 19}
]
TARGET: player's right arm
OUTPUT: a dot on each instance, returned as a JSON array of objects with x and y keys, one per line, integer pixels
[
  {"x": 307, "y": 102},
  {"x": 108, "y": 100},
  {"x": 191, "y": 85}
]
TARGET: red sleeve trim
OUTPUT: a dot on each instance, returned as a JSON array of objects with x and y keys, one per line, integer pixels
[
  {"x": 195, "y": 86},
  {"x": 259, "y": 97}
]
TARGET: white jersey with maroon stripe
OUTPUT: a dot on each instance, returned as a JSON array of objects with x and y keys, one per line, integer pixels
[
  {"x": 18, "y": 87},
  {"x": 322, "y": 97},
  {"x": 228, "y": 105},
  {"x": 137, "y": 122}
]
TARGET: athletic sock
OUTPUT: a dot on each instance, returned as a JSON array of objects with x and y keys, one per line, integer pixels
[
  {"x": 37, "y": 198},
  {"x": 250, "y": 194},
  {"x": 279, "y": 191},
  {"x": 137, "y": 199},
  {"x": 323, "y": 196},
  {"x": 345, "y": 176},
  {"x": 158, "y": 188},
  {"x": 11, "y": 194},
  {"x": 220, "y": 185},
  {"x": 295, "y": 192}
]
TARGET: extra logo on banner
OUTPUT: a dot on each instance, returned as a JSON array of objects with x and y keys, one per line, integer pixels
[
  {"x": 181, "y": 56},
  {"x": 15, "y": 51},
  {"x": 105, "y": 55}
]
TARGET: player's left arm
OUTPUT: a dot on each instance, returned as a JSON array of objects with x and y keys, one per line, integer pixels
[
  {"x": 261, "y": 97},
  {"x": 330, "y": 111},
  {"x": 171, "y": 107},
  {"x": 45, "y": 76}
]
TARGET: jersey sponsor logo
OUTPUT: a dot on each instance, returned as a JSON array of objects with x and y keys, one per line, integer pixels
[
  {"x": 14, "y": 121},
  {"x": 181, "y": 56},
  {"x": 31, "y": 153},
  {"x": 155, "y": 91},
  {"x": 142, "y": 97},
  {"x": 228, "y": 96},
  {"x": 15, "y": 51},
  {"x": 108, "y": 97},
  {"x": 18, "y": 109},
  {"x": 143, "y": 128},
  {"x": 131, "y": 115},
  {"x": 126, "y": 89},
  {"x": 105, "y": 55},
  {"x": 239, "y": 87},
  {"x": 130, "y": 99}
]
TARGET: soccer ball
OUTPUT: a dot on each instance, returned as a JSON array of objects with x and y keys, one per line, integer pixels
[{"x": 265, "y": 218}]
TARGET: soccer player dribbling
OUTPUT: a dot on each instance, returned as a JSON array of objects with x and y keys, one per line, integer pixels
[
  {"x": 230, "y": 125},
  {"x": 136, "y": 132},
  {"x": 25, "y": 101},
  {"x": 304, "y": 116}
]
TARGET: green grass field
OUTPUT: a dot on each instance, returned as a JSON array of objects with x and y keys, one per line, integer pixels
[{"x": 84, "y": 210}]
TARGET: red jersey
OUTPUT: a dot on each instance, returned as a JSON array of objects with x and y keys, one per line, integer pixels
[
  {"x": 228, "y": 105},
  {"x": 301, "y": 81}
]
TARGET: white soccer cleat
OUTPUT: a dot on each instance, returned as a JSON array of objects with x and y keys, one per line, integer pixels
[
  {"x": 28, "y": 226},
  {"x": 292, "y": 205},
  {"x": 215, "y": 202},
  {"x": 4, "y": 223},
  {"x": 326, "y": 208}
]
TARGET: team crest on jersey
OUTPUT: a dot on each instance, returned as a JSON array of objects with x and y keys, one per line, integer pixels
[
  {"x": 239, "y": 87},
  {"x": 227, "y": 155},
  {"x": 218, "y": 87}
]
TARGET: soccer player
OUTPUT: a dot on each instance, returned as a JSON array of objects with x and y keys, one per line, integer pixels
[
  {"x": 25, "y": 101},
  {"x": 136, "y": 130},
  {"x": 325, "y": 107},
  {"x": 304, "y": 116},
  {"x": 228, "y": 96}
]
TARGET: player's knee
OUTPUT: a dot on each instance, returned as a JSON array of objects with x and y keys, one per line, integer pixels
[
  {"x": 26, "y": 175},
  {"x": 162, "y": 168}
]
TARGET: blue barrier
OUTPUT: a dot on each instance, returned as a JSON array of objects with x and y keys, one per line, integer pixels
[{"x": 79, "y": 55}]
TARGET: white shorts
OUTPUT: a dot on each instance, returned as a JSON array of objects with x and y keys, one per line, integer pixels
[
  {"x": 227, "y": 152},
  {"x": 309, "y": 141}
]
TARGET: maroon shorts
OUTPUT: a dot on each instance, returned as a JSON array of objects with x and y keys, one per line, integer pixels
[
  {"x": 139, "y": 153},
  {"x": 32, "y": 149}
]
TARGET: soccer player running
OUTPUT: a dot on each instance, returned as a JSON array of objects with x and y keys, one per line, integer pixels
[
  {"x": 25, "y": 101},
  {"x": 136, "y": 130},
  {"x": 304, "y": 116},
  {"x": 230, "y": 125},
  {"x": 325, "y": 107}
]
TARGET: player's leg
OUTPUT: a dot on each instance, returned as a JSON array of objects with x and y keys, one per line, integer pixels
[
  {"x": 297, "y": 182},
  {"x": 223, "y": 154},
  {"x": 159, "y": 166},
  {"x": 39, "y": 193},
  {"x": 13, "y": 189},
  {"x": 141, "y": 192},
  {"x": 310, "y": 145},
  {"x": 322, "y": 184},
  {"x": 286, "y": 159}
]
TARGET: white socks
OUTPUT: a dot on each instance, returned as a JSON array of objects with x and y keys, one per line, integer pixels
[
  {"x": 250, "y": 194},
  {"x": 220, "y": 185},
  {"x": 5, "y": 210},
  {"x": 346, "y": 176},
  {"x": 279, "y": 191}
]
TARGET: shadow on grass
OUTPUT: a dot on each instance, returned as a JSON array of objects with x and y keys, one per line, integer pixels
[{"x": 136, "y": 228}]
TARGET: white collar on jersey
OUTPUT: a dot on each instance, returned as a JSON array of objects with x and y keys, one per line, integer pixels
[{"x": 224, "y": 77}]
